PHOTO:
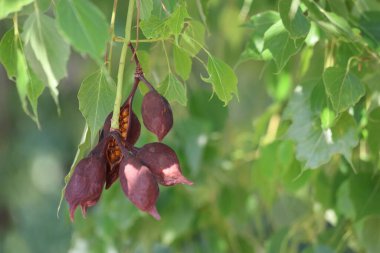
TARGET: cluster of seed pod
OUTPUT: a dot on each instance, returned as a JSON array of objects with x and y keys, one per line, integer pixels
[{"x": 139, "y": 170}]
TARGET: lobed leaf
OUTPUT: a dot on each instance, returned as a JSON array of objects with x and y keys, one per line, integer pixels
[
  {"x": 222, "y": 78},
  {"x": 315, "y": 145}
]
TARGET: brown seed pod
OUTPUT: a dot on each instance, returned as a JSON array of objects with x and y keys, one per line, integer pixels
[
  {"x": 139, "y": 185},
  {"x": 86, "y": 183},
  {"x": 157, "y": 114},
  {"x": 163, "y": 163},
  {"x": 129, "y": 134}
]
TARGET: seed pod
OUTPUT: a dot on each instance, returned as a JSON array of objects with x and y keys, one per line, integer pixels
[
  {"x": 139, "y": 185},
  {"x": 129, "y": 134},
  {"x": 157, "y": 114},
  {"x": 134, "y": 130},
  {"x": 163, "y": 163},
  {"x": 86, "y": 184}
]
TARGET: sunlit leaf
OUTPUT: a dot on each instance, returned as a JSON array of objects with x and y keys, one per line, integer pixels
[
  {"x": 154, "y": 27},
  {"x": 84, "y": 26},
  {"x": 9, "y": 6},
  {"x": 146, "y": 7},
  {"x": 293, "y": 19},
  {"x": 96, "y": 96},
  {"x": 176, "y": 20},
  {"x": 182, "y": 62},
  {"x": 280, "y": 44},
  {"x": 173, "y": 90},
  {"x": 8, "y": 53},
  {"x": 222, "y": 78},
  {"x": 343, "y": 88},
  {"x": 192, "y": 40},
  {"x": 261, "y": 22},
  {"x": 45, "y": 50}
]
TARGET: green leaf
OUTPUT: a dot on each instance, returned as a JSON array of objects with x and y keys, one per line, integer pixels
[
  {"x": 369, "y": 233},
  {"x": 364, "y": 194},
  {"x": 261, "y": 22},
  {"x": 343, "y": 88},
  {"x": 182, "y": 62},
  {"x": 176, "y": 20},
  {"x": 8, "y": 53},
  {"x": 344, "y": 203},
  {"x": 280, "y": 44},
  {"x": 287, "y": 209},
  {"x": 293, "y": 19},
  {"x": 96, "y": 96},
  {"x": 343, "y": 27},
  {"x": 84, "y": 26},
  {"x": 193, "y": 137},
  {"x": 28, "y": 87},
  {"x": 27, "y": 83},
  {"x": 35, "y": 89},
  {"x": 192, "y": 39},
  {"x": 278, "y": 241},
  {"x": 9, "y": 6},
  {"x": 315, "y": 146},
  {"x": 146, "y": 7},
  {"x": 373, "y": 127},
  {"x": 83, "y": 148},
  {"x": 22, "y": 81},
  {"x": 370, "y": 24},
  {"x": 173, "y": 90},
  {"x": 222, "y": 78},
  {"x": 154, "y": 27},
  {"x": 254, "y": 47},
  {"x": 45, "y": 50}
]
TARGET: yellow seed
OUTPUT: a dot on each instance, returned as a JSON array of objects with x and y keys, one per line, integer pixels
[
  {"x": 117, "y": 152},
  {"x": 124, "y": 135}
]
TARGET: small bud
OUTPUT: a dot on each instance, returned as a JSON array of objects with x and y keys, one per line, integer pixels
[
  {"x": 139, "y": 185},
  {"x": 157, "y": 114},
  {"x": 163, "y": 163}
]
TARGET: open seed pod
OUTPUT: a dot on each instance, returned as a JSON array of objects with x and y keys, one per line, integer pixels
[
  {"x": 129, "y": 127},
  {"x": 157, "y": 114},
  {"x": 163, "y": 163},
  {"x": 86, "y": 184},
  {"x": 139, "y": 185}
]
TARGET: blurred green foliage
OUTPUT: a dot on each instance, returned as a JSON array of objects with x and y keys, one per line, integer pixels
[{"x": 250, "y": 161}]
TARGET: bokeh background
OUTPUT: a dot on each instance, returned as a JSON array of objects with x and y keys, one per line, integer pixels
[{"x": 243, "y": 200}]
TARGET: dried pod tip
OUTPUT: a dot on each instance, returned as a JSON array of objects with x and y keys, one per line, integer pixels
[
  {"x": 163, "y": 163},
  {"x": 157, "y": 114},
  {"x": 139, "y": 185}
]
